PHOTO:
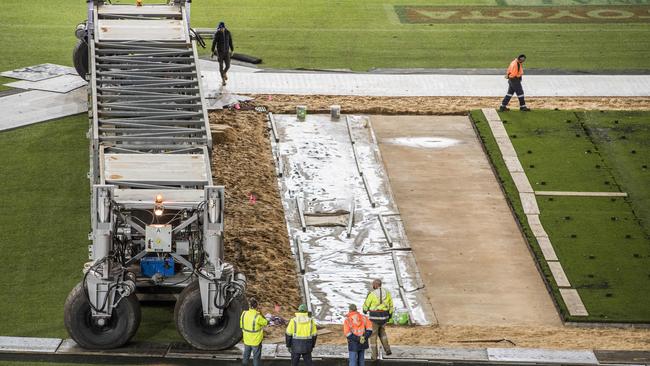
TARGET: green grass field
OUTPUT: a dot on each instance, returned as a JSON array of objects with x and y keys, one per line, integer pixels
[
  {"x": 602, "y": 242},
  {"x": 357, "y": 35}
]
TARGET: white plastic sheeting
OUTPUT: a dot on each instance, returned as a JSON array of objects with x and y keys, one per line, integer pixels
[{"x": 320, "y": 173}]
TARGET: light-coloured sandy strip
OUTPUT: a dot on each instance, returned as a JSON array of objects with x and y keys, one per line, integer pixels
[{"x": 581, "y": 194}]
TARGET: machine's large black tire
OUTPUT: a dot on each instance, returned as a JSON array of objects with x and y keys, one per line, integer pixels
[
  {"x": 80, "y": 58},
  {"x": 121, "y": 327},
  {"x": 192, "y": 326}
]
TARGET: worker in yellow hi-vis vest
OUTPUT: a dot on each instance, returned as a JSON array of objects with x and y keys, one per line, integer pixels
[
  {"x": 301, "y": 336},
  {"x": 379, "y": 304},
  {"x": 252, "y": 324}
]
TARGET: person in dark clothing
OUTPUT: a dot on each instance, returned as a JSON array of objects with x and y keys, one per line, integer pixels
[{"x": 222, "y": 48}]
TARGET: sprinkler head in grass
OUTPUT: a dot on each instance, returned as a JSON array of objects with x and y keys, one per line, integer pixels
[
  {"x": 529, "y": 151},
  {"x": 542, "y": 183},
  {"x": 623, "y": 137},
  {"x": 633, "y": 151},
  {"x": 514, "y": 136},
  {"x": 615, "y": 121},
  {"x": 588, "y": 151},
  {"x": 613, "y": 218},
  {"x": 573, "y": 236},
  {"x": 556, "y": 109},
  {"x": 636, "y": 255},
  {"x": 602, "y": 111},
  {"x": 577, "y": 135},
  {"x": 644, "y": 167},
  {"x": 592, "y": 257},
  {"x": 606, "y": 182},
  {"x": 567, "y": 218},
  {"x": 568, "y": 121},
  {"x": 590, "y": 275},
  {"x": 609, "y": 294},
  {"x": 550, "y": 199},
  {"x": 628, "y": 236},
  {"x": 531, "y": 166},
  {"x": 505, "y": 121},
  {"x": 613, "y": 199}
]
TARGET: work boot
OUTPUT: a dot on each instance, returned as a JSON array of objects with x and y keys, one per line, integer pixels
[
  {"x": 223, "y": 82},
  {"x": 503, "y": 109},
  {"x": 524, "y": 109},
  {"x": 225, "y": 76}
]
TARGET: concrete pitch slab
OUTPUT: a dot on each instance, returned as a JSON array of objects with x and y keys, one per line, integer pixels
[
  {"x": 558, "y": 274},
  {"x": 437, "y": 354},
  {"x": 529, "y": 203},
  {"x": 461, "y": 209},
  {"x": 544, "y": 356},
  {"x": 39, "y": 72},
  {"x": 521, "y": 182},
  {"x": 573, "y": 302},
  {"x": 513, "y": 164},
  {"x": 546, "y": 247},
  {"x": 142, "y": 349},
  {"x": 536, "y": 226},
  {"x": 36, "y": 106},
  {"x": 57, "y": 84},
  {"x": 29, "y": 344}
]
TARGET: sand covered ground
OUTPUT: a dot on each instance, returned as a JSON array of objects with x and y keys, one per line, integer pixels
[{"x": 256, "y": 233}]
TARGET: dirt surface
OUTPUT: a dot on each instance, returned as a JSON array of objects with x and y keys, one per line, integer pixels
[
  {"x": 256, "y": 239},
  {"x": 437, "y": 105},
  {"x": 533, "y": 337},
  {"x": 475, "y": 264},
  {"x": 256, "y": 236}
]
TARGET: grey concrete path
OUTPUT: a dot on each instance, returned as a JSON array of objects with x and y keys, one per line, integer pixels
[
  {"x": 474, "y": 262},
  {"x": 256, "y": 81}
]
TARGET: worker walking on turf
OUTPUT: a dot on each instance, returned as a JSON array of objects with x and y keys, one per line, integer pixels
[
  {"x": 514, "y": 75},
  {"x": 301, "y": 336},
  {"x": 379, "y": 306},
  {"x": 252, "y": 323},
  {"x": 222, "y": 48},
  {"x": 357, "y": 329}
]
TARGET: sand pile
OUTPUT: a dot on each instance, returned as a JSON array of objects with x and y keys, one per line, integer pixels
[
  {"x": 437, "y": 105},
  {"x": 523, "y": 336},
  {"x": 256, "y": 238}
]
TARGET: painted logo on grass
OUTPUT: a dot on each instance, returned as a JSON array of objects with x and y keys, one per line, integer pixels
[{"x": 418, "y": 14}]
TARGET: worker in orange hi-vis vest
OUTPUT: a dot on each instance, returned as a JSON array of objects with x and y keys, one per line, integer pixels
[{"x": 514, "y": 76}]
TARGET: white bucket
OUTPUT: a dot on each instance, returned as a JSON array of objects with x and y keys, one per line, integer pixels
[{"x": 335, "y": 111}]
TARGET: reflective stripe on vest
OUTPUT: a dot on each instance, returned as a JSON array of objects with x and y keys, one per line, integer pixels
[
  {"x": 253, "y": 325},
  {"x": 295, "y": 329}
]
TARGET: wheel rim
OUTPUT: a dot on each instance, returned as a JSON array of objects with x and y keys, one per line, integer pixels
[
  {"x": 201, "y": 322},
  {"x": 96, "y": 329}
]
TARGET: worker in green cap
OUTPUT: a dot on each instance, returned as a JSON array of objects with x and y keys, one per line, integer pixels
[{"x": 301, "y": 336}]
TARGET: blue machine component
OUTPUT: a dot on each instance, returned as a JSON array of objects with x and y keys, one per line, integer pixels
[{"x": 149, "y": 266}]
